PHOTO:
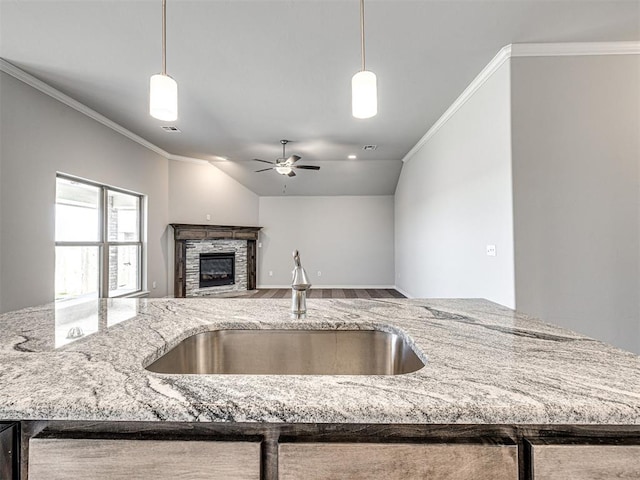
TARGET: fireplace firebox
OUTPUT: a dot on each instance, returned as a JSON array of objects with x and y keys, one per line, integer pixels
[{"x": 217, "y": 269}]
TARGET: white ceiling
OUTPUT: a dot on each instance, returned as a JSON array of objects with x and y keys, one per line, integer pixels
[{"x": 253, "y": 72}]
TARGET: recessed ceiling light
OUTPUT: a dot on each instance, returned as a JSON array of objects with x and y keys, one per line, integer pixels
[{"x": 352, "y": 157}]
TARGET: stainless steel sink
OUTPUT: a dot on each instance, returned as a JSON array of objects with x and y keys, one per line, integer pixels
[{"x": 290, "y": 352}]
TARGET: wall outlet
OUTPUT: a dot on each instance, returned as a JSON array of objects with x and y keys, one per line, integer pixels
[
  {"x": 154, "y": 285},
  {"x": 491, "y": 250},
  {"x": 271, "y": 273},
  {"x": 319, "y": 273},
  {"x": 208, "y": 217}
]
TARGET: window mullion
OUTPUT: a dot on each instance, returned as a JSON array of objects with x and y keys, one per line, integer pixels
[
  {"x": 104, "y": 270},
  {"x": 141, "y": 259},
  {"x": 78, "y": 244}
]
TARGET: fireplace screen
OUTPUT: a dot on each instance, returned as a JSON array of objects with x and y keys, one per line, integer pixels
[{"x": 217, "y": 269}]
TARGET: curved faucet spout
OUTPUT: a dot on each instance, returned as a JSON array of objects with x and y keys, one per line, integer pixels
[
  {"x": 299, "y": 286},
  {"x": 300, "y": 280}
]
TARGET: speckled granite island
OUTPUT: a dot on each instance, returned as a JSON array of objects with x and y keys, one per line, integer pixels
[{"x": 493, "y": 379}]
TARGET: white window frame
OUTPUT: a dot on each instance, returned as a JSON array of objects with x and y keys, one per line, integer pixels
[{"x": 104, "y": 243}]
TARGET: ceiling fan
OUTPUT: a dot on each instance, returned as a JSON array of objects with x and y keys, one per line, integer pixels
[{"x": 284, "y": 165}]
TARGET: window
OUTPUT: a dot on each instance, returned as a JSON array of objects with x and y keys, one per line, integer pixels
[{"x": 98, "y": 240}]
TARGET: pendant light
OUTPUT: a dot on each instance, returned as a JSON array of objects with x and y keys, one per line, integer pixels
[
  {"x": 364, "y": 88},
  {"x": 163, "y": 90}
]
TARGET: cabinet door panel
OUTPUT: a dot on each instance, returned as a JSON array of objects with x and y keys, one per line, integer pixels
[
  {"x": 311, "y": 461},
  {"x": 8, "y": 451},
  {"x": 586, "y": 462},
  {"x": 65, "y": 459}
]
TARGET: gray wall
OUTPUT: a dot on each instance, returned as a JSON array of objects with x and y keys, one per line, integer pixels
[
  {"x": 454, "y": 198},
  {"x": 200, "y": 189},
  {"x": 349, "y": 239},
  {"x": 576, "y": 154},
  {"x": 1, "y": 155},
  {"x": 39, "y": 137}
]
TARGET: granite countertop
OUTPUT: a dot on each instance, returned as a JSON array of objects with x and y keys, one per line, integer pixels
[{"x": 485, "y": 364}]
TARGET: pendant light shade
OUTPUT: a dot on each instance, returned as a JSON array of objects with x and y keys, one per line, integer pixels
[
  {"x": 364, "y": 85},
  {"x": 163, "y": 98},
  {"x": 364, "y": 94},
  {"x": 163, "y": 90}
]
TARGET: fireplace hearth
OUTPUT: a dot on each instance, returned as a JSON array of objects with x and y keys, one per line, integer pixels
[{"x": 217, "y": 269}]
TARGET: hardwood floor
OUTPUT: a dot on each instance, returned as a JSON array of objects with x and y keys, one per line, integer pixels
[{"x": 327, "y": 293}]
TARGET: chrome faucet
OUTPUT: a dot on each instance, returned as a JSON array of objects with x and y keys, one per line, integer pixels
[{"x": 299, "y": 286}]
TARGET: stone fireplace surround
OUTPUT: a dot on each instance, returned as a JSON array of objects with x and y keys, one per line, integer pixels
[
  {"x": 192, "y": 266},
  {"x": 191, "y": 240}
]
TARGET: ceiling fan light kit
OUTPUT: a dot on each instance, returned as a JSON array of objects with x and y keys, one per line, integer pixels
[
  {"x": 284, "y": 165},
  {"x": 163, "y": 90},
  {"x": 364, "y": 84},
  {"x": 284, "y": 170}
]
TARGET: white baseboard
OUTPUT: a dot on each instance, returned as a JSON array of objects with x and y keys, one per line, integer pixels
[
  {"x": 333, "y": 286},
  {"x": 402, "y": 292}
]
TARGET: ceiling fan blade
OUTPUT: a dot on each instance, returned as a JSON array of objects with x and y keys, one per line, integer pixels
[
  {"x": 265, "y": 169},
  {"x": 263, "y": 161},
  {"x": 291, "y": 174},
  {"x": 306, "y": 167},
  {"x": 293, "y": 159}
]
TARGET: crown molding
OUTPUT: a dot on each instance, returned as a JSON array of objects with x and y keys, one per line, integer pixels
[
  {"x": 568, "y": 49},
  {"x": 496, "y": 62},
  {"x": 182, "y": 158},
  {"x": 505, "y": 53},
  {"x": 19, "y": 74},
  {"x": 38, "y": 84},
  {"x": 523, "y": 50}
]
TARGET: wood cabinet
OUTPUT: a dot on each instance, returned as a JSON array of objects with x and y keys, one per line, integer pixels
[
  {"x": 98, "y": 459},
  {"x": 355, "y": 461},
  {"x": 586, "y": 462},
  {"x": 99, "y": 450},
  {"x": 9, "y": 451}
]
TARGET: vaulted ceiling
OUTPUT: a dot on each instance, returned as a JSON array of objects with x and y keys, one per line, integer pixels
[{"x": 253, "y": 72}]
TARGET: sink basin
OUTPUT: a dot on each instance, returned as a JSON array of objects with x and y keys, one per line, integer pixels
[{"x": 290, "y": 352}]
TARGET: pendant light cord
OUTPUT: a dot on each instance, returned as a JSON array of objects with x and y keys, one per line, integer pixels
[
  {"x": 362, "y": 33},
  {"x": 164, "y": 37}
]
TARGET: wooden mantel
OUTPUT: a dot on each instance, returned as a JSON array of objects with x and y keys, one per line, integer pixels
[{"x": 183, "y": 232}]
